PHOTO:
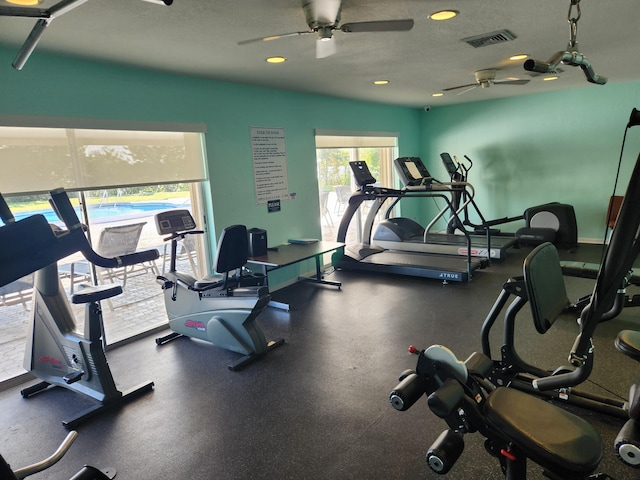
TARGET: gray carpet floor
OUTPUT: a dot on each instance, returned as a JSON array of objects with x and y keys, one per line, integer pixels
[{"x": 317, "y": 407}]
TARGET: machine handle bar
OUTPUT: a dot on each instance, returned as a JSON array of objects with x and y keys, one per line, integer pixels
[
  {"x": 49, "y": 461},
  {"x": 121, "y": 261},
  {"x": 562, "y": 380},
  {"x": 5, "y": 213},
  {"x": 182, "y": 234},
  {"x": 63, "y": 208}
]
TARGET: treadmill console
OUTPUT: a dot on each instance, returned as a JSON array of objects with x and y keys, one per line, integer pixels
[
  {"x": 448, "y": 163},
  {"x": 412, "y": 171},
  {"x": 361, "y": 174},
  {"x": 173, "y": 221}
]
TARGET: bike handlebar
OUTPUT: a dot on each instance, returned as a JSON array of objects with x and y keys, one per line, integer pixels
[
  {"x": 563, "y": 380},
  {"x": 65, "y": 211},
  {"x": 49, "y": 461},
  {"x": 5, "y": 213},
  {"x": 120, "y": 261}
]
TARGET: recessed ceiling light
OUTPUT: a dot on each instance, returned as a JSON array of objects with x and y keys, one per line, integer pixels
[
  {"x": 276, "y": 60},
  {"x": 519, "y": 56},
  {"x": 381, "y": 82},
  {"x": 443, "y": 15},
  {"x": 437, "y": 94},
  {"x": 548, "y": 79},
  {"x": 24, "y": 2}
]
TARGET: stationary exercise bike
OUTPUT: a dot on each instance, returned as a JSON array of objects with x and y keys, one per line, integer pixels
[
  {"x": 86, "y": 473},
  {"x": 55, "y": 351},
  {"x": 221, "y": 310}
]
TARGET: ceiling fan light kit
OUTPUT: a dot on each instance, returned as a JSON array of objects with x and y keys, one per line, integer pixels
[
  {"x": 24, "y": 3},
  {"x": 484, "y": 79},
  {"x": 571, "y": 56}
]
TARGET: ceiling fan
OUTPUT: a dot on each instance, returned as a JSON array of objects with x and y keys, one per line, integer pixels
[
  {"x": 484, "y": 79},
  {"x": 323, "y": 18},
  {"x": 44, "y": 16}
]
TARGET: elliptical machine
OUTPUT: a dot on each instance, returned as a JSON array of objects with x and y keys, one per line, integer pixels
[
  {"x": 221, "y": 310},
  {"x": 55, "y": 351}
]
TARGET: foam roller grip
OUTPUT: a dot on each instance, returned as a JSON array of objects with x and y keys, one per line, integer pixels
[
  {"x": 627, "y": 444},
  {"x": 407, "y": 392},
  {"x": 445, "y": 451}
]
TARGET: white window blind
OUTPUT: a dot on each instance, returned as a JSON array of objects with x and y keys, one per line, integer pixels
[
  {"x": 340, "y": 139},
  {"x": 38, "y": 159}
]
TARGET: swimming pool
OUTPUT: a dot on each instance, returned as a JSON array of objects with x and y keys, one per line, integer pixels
[{"x": 109, "y": 212}]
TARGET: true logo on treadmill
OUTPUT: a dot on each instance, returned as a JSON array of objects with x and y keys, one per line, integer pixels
[
  {"x": 452, "y": 276},
  {"x": 195, "y": 324}
]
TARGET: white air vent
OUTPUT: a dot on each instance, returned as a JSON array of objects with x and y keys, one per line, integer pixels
[{"x": 492, "y": 38}]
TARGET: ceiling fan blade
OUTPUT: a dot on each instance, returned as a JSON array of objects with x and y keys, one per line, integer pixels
[
  {"x": 378, "y": 26},
  {"x": 325, "y": 47},
  {"x": 274, "y": 37},
  {"x": 460, "y": 86},
  {"x": 467, "y": 90},
  {"x": 24, "y": 12},
  {"x": 511, "y": 82}
]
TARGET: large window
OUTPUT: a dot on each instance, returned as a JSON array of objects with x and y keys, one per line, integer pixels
[
  {"x": 334, "y": 151},
  {"x": 117, "y": 179}
]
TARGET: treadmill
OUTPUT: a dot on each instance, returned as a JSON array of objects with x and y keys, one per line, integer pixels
[
  {"x": 407, "y": 235},
  {"x": 368, "y": 256}
]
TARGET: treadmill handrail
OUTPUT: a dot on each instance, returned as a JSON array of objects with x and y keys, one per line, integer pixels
[{"x": 380, "y": 194}]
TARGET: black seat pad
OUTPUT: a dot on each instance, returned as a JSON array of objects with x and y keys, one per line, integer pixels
[
  {"x": 628, "y": 342},
  {"x": 95, "y": 293},
  {"x": 553, "y": 438}
]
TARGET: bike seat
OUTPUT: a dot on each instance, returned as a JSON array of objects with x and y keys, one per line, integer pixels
[
  {"x": 555, "y": 439},
  {"x": 208, "y": 282},
  {"x": 90, "y": 294},
  {"x": 628, "y": 342}
]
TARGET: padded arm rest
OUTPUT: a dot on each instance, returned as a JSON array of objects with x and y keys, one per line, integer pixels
[{"x": 479, "y": 364}]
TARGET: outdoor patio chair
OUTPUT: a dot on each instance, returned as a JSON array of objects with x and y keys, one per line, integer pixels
[
  {"x": 324, "y": 210},
  {"x": 121, "y": 240},
  {"x": 16, "y": 292},
  {"x": 186, "y": 252},
  {"x": 343, "y": 192}
]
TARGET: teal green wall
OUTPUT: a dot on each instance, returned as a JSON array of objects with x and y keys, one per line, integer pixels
[
  {"x": 561, "y": 146},
  {"x": 51, "y": 85}
]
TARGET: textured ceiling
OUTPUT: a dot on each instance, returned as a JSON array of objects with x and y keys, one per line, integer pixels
[{"x": 200, "y": 37}]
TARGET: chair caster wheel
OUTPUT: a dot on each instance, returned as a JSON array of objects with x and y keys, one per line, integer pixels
[{"x": 627, "y": 444}]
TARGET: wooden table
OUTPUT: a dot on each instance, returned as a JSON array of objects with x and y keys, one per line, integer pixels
[{"x": 291, "y": 253}]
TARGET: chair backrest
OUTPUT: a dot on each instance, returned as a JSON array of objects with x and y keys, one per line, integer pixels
[
  {"x": 545, "y": 286},
  {"x": 343, "y": 193},
  {"x": 233, "y": 249},
  {"x": 324, "y": 200},
  {"x": 615, "y": 202},
  {"x": 119, "y": 240}
]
